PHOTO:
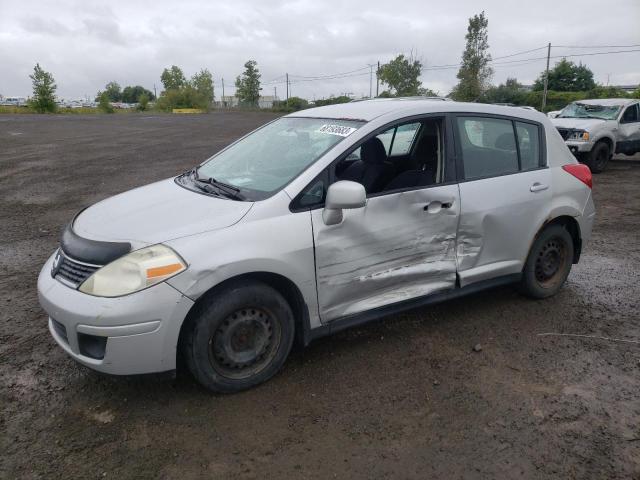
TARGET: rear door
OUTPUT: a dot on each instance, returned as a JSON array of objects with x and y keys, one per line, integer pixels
[{"x": 504, "y": 192}]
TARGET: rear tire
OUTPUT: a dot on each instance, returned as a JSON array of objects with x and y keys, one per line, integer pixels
[
  {"x": 598, "y": 158},
  {"x": 239, "y": 337},
  {"x": 548, "y": 264}
]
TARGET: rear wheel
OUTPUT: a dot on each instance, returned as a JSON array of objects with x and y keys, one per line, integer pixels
[
  {"x": 548, "y": 264},
  {"x": 598, "y": 157},
  {"x": 239, "y": 337}
]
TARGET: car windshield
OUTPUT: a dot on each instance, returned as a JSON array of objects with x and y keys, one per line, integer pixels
[
  {"x": 584, "y": 110},
  {"x": 269, "y": 158}
]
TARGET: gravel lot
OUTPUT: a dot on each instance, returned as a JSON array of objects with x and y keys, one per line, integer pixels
[{"x": 403, "y": 398}]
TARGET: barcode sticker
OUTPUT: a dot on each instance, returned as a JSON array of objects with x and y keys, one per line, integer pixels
[{"x": 337, "y": 130}]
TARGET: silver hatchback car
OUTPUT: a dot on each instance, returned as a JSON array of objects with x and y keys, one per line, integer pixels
[{"x": 318, "y": 221}]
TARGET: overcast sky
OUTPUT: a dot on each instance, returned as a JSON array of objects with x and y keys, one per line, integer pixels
[{"x": 86, "y": 43}]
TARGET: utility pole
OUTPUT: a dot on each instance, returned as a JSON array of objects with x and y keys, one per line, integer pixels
[
  {"x": 275, "y": 93},
  {"x": 155, "y": 93},
  {"x": 546, "y": 79},
  {"x": 287, "y": 75},
  {"x": 370, "y": 80},
  {"x": 378, "y": 79},
  {"x": 224, "y": 102}
]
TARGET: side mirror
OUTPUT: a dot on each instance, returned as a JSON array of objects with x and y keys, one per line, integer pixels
[{"x": 342, "y": 195}]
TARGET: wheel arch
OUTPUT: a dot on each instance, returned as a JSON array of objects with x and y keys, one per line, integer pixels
[
  {"x": 572, "y": 226},
  {"x": 286, "y": 287},
  {"x": 610, "y": 141}
]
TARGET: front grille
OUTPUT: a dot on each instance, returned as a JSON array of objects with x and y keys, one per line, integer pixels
[
  {"x": 565, "y": 132},
  {"x": 74, "y": 271},
  {"x": 60, "y": 329}
]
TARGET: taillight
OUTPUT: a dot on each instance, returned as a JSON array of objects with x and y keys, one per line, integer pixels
[{"x": 580, "y": 171}]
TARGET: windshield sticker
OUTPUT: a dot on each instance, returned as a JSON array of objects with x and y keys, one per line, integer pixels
[{"x": 337, "y": 130}]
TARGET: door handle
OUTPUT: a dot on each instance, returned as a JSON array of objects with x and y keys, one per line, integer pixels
[
  {"x": 436, "y": 205},
  {"x": 538, "y": 187}
]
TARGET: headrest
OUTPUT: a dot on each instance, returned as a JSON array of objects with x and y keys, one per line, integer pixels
[{"x": 373, "y": 151}]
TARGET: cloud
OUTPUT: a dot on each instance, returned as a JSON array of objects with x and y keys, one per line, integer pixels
[{"x": 86, "y": 44}]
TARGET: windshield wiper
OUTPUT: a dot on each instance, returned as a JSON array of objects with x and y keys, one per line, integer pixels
[{"x": 218, "y": 186}]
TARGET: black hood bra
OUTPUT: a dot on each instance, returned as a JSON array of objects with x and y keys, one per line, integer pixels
[{"x": 95, "y": 252}]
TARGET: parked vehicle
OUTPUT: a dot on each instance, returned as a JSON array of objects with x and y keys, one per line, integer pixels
[
  {"x": 318, "y": 221},
  {"x": 596, "y": 129}
]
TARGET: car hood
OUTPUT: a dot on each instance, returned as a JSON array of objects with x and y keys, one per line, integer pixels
[
  {"x": 578, "y": 123},
  {"x": 157, "y": 213}
]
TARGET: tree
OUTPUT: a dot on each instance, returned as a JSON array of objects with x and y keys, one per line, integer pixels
[
  {"x": 143, "y": 102},
  {"x": 173, "y": 78},
  {"x": 44, "y": 91},
  {"x": 248, "y": 85},
  {"x": 401, "y": 75},
  {"x": 133, "y": 94},
  {"x": 203, "y": 83},
  {"x": 509, "y": 92},
  {"x": 475, "y": 72},
  {"x": 112, "y": 89},
  {"x": 566, "y": 76},
  {"x": 103, "y": 103}
]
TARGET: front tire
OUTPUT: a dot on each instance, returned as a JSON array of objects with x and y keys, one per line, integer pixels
[
  {"x": 548, "y": 264},
  {"x": 598, "y": 157},
  {"x": 239, "y": 337}
]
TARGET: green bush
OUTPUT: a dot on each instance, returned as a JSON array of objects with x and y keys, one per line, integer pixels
[
  {"x": 292, "y": 105},
  {"x": 103, "y": 105},
  {"x": 184, "y": 97}
]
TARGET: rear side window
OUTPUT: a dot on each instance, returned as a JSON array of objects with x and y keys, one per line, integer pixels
[
  {"x": 488, "y": 147},
  {"x": 529, "y": 145}
]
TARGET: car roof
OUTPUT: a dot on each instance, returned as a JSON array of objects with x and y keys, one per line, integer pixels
[
  {"x": 367, "y": 110},
  {"x": 608, "y": 101}
]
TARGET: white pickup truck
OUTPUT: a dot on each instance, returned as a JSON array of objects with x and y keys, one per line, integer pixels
[{"x": 596, "y": 129}]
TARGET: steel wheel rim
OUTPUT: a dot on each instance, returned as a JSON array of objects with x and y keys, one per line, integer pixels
[
  {"x": 549, "y": 262},
  {"x": 244, "y": 343}
]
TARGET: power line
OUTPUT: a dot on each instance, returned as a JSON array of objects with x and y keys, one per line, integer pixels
[
  {"x": 596, "y": 46},
  {"x": 445, "y": 67},
  {"x": 319, "y": 77},
  {"x": 360, "y": 72},
  {"x": 521, "y": 53}
]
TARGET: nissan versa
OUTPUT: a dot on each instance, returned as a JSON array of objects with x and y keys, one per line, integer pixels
[{"x": 317, "y": 221}]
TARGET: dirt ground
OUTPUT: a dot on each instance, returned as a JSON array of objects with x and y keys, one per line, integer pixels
[{"x": 403, "y": 398}]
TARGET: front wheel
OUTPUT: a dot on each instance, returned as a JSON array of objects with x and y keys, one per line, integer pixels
[
  {"x": 239, "y": 337},
  {"x": 598, "y": 157},
  {"x": 548, "y": 264}
]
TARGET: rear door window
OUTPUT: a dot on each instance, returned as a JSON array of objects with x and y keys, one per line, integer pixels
[{"x": 488, "y": 147}]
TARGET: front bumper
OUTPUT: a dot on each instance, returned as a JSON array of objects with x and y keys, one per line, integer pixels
[
  {"x": 577, "y": 147},
  {"x": 133, "y": 334}
]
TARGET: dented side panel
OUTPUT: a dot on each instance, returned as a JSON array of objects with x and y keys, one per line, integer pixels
[
  {"x": 499, "y": 218},
  {"x": 391, "y": 250}
]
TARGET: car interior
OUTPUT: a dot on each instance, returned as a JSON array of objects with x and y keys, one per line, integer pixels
[{"x": 404, "y": 156}]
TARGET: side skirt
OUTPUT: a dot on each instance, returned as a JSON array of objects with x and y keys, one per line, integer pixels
[{"x": 378, "y": 313}]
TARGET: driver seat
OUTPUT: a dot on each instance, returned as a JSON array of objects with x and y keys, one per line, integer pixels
[{"x": 373, "y": 170}]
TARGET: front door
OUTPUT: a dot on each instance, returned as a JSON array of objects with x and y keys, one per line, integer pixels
[
  {"x": 628, "y": 137},
  {"x": 401, "y": 245}
]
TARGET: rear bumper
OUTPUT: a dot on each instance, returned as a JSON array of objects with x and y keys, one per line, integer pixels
[
  {"x": 586, "y": 220},
  {"x": 134, "y": 334}
]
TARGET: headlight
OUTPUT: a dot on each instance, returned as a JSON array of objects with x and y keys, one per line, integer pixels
[
  {"x": 133, "y": 272},
  {"x": 579, "y": 135}
]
